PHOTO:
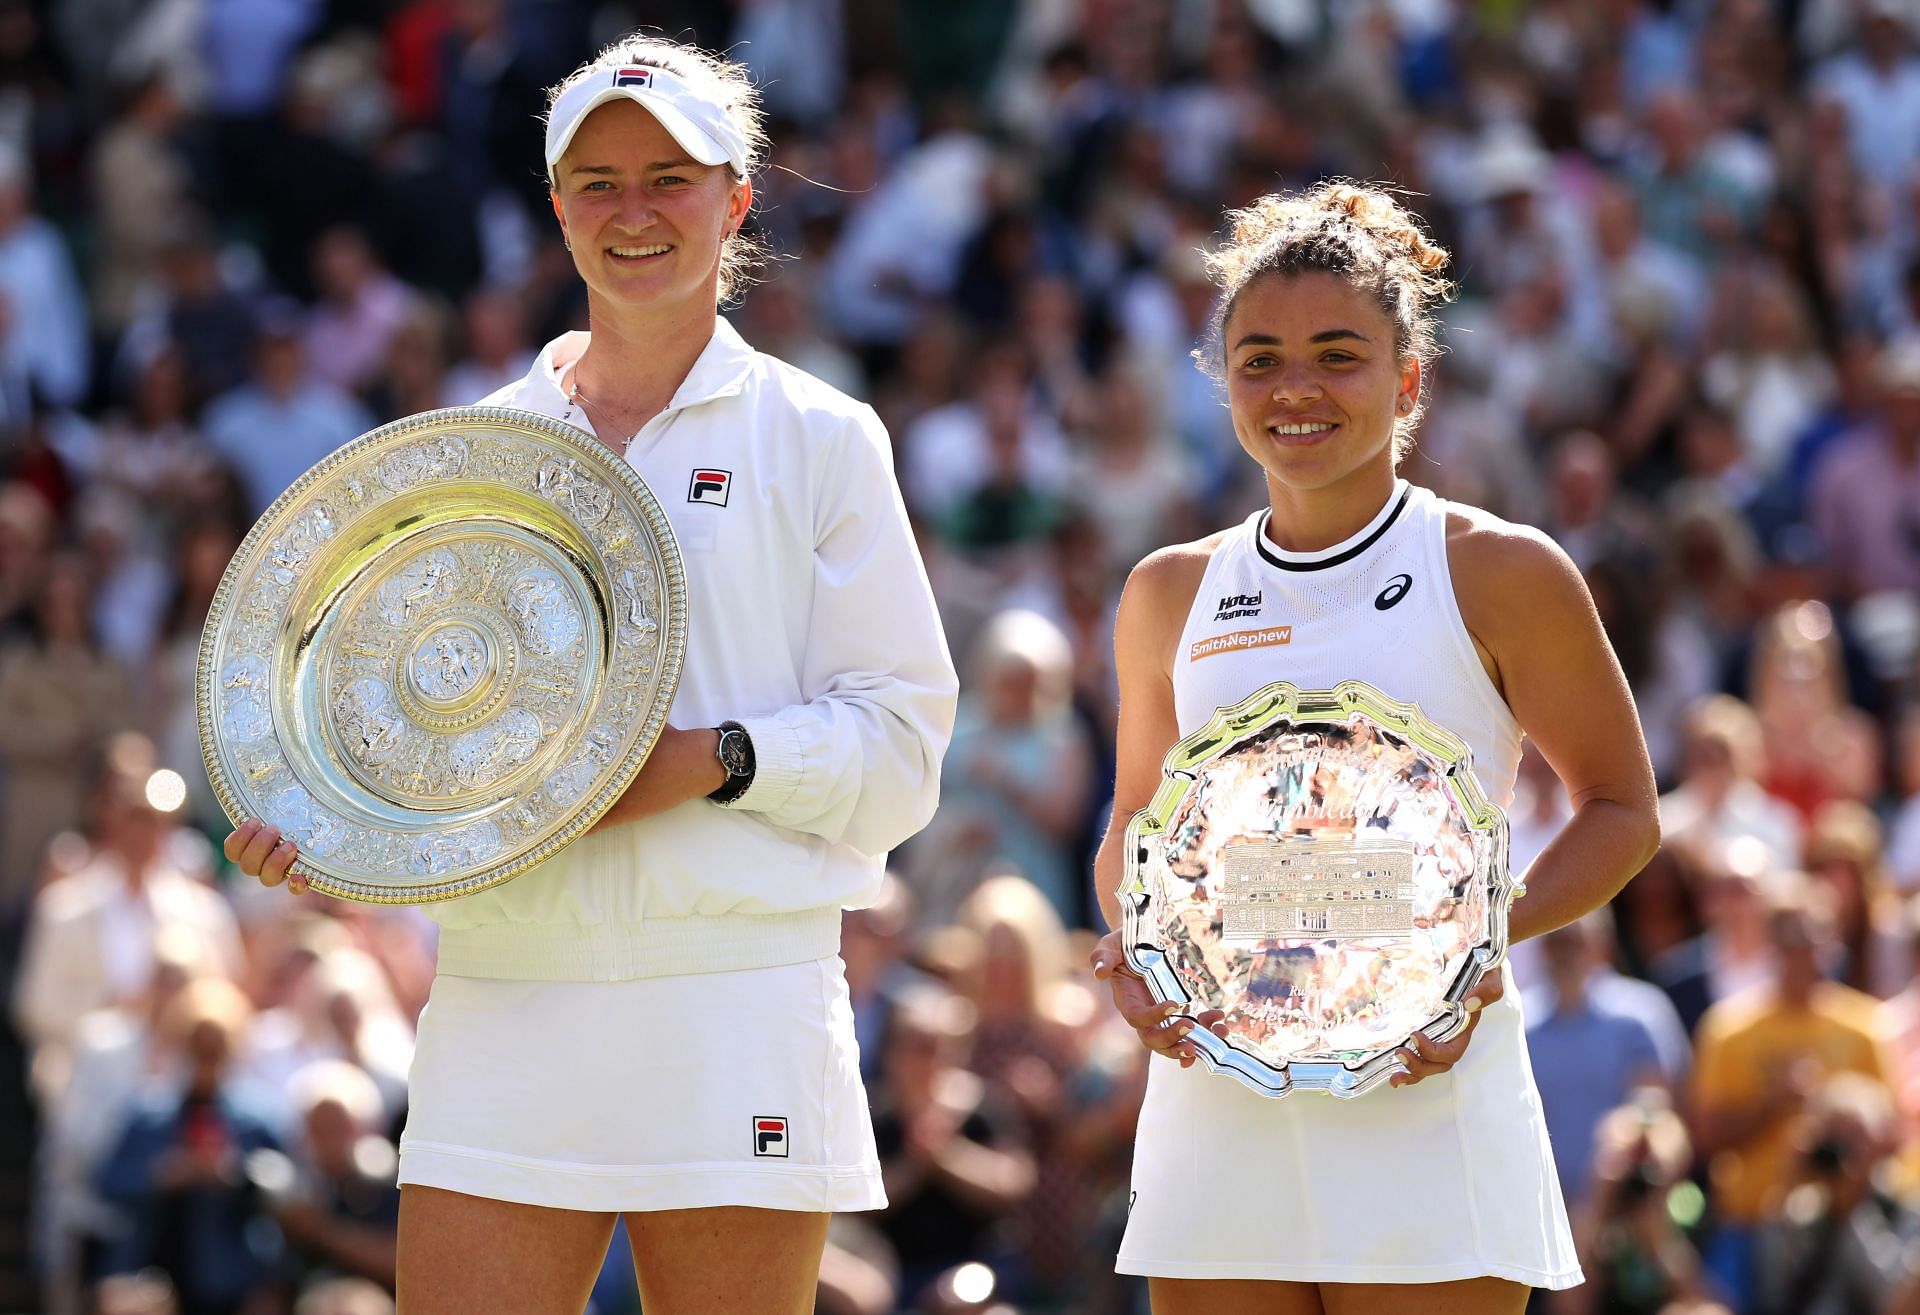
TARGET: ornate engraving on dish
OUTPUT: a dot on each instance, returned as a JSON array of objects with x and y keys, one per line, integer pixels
[
  {"x": 428, "y": 579},
  {"x": 1323, "y": 867},
  {"x": 431, "y": 678},
  {"x": 440, "y": 457},
  {"x": 452, "y": 851},
  {"x": 313, "y": 828},
  {"x": 571, "y": 782},
  {"x": 637, "y": 595},
  {"x": 562, "y": 480},
  {"x": 371, "y": 723},
  {"x": 449, "y": 663},
  {"x": 539, "y": 603},
  {"x": 482, "y": 757},
  {"x": 245, "y": 711},
  {"x": 290, "y": 553}
]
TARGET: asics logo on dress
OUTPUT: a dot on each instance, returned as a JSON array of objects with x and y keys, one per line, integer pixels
[
  {"x": 1237, "y": 605},
  {"x": 1396, "y": 590},
  {"x": 770, "y": 1136}
]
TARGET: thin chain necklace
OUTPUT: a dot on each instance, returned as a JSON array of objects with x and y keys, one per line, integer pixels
[{"x": 575, "y": 396}]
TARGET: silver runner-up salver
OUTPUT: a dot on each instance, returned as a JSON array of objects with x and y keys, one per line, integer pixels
[
  {"x": 1323, "y": 867},
  {"x": 443, "y": 653}
]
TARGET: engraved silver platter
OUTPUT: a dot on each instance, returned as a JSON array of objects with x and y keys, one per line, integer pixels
[
  {"x": 443, "y": 653},
  {"x": 1324, "y": 868}
]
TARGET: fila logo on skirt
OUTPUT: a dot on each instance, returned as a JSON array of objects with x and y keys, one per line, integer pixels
[{"x": 769, "y": 1136}]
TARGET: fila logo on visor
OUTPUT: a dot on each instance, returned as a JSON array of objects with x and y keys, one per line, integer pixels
[
  {"x": 710, "y": 487},
  {"x": 770, "y": 1136},
  {"x": 633, "y": 77}
]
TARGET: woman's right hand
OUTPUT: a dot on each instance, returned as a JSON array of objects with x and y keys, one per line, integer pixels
[
  {"x": 260, "y": 851},
  {"x": 1161, "y": 1027}
]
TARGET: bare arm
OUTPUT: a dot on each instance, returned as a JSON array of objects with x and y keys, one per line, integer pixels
[
  {"x": 1153, "y": 607},
  {"x": 1535, "y": 625}
]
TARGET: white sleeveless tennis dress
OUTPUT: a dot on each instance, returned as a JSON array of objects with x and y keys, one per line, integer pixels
[{"x": 1451, "y": 1178}]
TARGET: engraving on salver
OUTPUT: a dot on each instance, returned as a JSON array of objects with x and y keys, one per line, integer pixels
[
  {"x": 543, "y": 609},
  {"x": 440, "y": 457},
  {"x": 289, "y": 554},
  {"x": 448, "y": 851},
  {"x": 638, "y": 592},
  {"x": 245, "y": 712},
  {"x": 370, "y": 722},
  {"x": 483, "y": 756},
  {"x": 562, "y": 480},
  {"x": 572, "y": 782},
  {"x": 312, "y": 827},
  {"x": 427, "y": 580},
  {"x": 449, "y": 662},
  {"x": 1333, "y": 889}
]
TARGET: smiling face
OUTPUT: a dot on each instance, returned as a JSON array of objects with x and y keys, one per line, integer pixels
[
  {"x": 646, "y": 221},
  {"x": 1315, "y": 380}
]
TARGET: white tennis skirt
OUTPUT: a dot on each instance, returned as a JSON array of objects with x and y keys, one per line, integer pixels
[
  {"x": 1449, "y": 1179},
  {"x": 663, "y": 1093}
]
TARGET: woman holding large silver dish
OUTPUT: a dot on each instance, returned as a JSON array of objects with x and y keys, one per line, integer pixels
[
  {"x": 654, "y": 1022},
  {"x": 1438, "y": 1195}
]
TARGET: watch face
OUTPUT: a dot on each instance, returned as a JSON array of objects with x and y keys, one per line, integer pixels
[{"x": 733, "y": 752}]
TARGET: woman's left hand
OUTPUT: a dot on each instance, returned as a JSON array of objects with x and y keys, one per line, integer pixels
[
  {"x": 682, "y": 766},
  {"x": 1423, "y": 1056}
]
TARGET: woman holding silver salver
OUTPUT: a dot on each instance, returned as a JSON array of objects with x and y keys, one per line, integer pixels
[
  {"x": 1438, "y": 1195},
  {"x": 655, "y": 1022}
]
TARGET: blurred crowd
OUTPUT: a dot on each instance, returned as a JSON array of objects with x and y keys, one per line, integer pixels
[{"x": 237, "y": 233}]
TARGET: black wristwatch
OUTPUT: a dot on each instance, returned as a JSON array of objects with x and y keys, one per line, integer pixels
[{"x": 735, "y": 753}]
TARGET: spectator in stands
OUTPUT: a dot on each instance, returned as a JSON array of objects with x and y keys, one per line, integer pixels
[
  {"x": 953, "y": 1153},
  {"x": 337, "y": 1199},
  {"x": 60, "y": 698},
  {"x": 1594, "y": 1038},
  {"x": 275, "y": 427},
  {"x": 179, "y": 1168},
  {"x": 1719, "y": 798},
  {"x": 1016, "y": 780},
  {"x": 92, "y": 940},
  {"x": 1867, "y": 488},
  {"x": 1633, "y": 1234},
  {"x": 1760, "y": 1058}
]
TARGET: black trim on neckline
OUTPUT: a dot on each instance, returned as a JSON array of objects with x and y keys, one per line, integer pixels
[{"x": 1322, "y": 563}]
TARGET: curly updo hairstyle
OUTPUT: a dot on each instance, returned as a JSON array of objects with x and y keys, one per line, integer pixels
[
  {"x": 1360, "y": 233},
  {"x": 727, "y": 83}
]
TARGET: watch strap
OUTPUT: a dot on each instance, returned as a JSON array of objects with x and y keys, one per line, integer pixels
[{"x": 735, "y": 752}]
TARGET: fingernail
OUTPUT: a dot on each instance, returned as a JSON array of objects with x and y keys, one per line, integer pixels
[{"x": 1473, "y": 1005}]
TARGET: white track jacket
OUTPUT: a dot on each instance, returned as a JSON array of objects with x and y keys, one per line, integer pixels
[{"x": 812, "y": 624}]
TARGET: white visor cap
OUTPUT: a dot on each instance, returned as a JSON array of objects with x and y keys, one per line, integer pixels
[{"x": 699, "y": 124}]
